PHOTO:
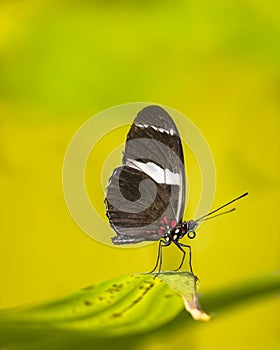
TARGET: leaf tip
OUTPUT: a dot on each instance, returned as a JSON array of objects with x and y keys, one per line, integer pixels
[{"x": 193, "y": 307}]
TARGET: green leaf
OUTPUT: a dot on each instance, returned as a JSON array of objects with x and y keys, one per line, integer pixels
[
  {"x": 125, "y": 305},
  {"x": 116, "y": 313}
]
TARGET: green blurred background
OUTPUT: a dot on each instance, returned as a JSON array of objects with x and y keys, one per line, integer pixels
[{"x": 218, "y": 63}]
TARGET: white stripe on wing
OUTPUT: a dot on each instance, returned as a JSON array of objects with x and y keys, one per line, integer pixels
[{"x": 155, "y": 172}]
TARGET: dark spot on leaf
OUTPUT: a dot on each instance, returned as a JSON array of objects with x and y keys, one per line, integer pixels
[
  {"x": 88, "y": 288},
  {"x": 101, "y": 298},
  {"x": 168, "y": 295},
  {"x": 87, "y": 302},
  {"x": 115, "y": 288}
]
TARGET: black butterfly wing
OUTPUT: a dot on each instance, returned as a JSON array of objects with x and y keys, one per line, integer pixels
[{"x": 146, "y": 195}]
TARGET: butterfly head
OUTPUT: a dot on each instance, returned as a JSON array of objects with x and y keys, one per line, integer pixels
[{"x": 189, "y": 228}]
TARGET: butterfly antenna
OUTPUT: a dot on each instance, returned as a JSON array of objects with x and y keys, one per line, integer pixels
[
  {"x": 225, "y": 205},
  {"x": 224, "y": 212}
]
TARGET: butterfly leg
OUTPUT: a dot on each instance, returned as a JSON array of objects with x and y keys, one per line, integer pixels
[
  {"x": 161, "y": 244},
  {"x": 180, "y": 245}
]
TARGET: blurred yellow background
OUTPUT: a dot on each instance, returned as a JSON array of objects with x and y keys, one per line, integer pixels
[{"x": 216, "y": 62}]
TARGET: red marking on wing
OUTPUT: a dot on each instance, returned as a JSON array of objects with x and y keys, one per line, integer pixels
[
  {"x": 159, "y": 232},
  {"x": 173, "y": 223},
  {"x": 148, "y": 231},
  {"x": 162, "y": 227},
  {"x": 165, "y": 220}
]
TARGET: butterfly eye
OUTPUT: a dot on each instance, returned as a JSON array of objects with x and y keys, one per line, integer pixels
[{"x": 191, "y": 234}]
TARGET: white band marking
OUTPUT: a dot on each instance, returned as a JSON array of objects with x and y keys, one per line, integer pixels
[{"x": 155, "y": 172}]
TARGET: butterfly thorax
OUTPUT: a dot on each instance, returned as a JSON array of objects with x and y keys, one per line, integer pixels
[{"x": 180, "y": 230}]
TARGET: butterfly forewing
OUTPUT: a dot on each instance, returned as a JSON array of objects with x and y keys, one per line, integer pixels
[{"x": 146, "y": 195}]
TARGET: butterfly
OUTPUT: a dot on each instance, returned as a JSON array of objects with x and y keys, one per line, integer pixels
[{"x": 145, "y": 196}]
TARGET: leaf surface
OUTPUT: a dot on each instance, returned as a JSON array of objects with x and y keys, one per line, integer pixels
[{"x": 124, "y": 305}]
